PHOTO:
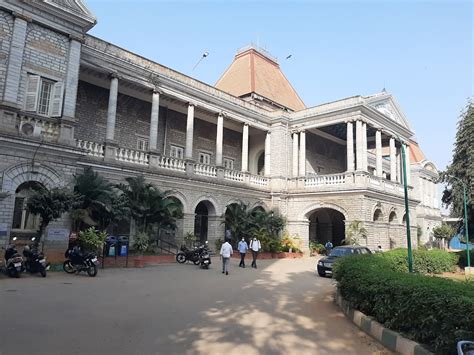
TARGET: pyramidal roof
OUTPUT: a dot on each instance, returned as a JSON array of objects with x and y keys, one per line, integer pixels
[{"x": 256, "y": 71}]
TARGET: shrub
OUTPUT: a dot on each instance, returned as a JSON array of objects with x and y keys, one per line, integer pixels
[
  {"x": 91, "y": 240},
  {"x": 463, "y": 258},
  {"x": 424, "y": 261},
  {"x": 141, "y": 242},
  {"x": 317, "y": 247},
  {"x": 433, "y": 311}
]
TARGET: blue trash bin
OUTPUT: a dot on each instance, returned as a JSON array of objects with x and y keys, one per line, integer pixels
[
  {"x": 123, "y": 245},
  {"x": 111, "y": 244}
]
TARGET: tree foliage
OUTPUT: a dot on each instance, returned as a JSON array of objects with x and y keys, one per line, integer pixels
[
  {"x": 149, "y": 206},
  {"x": 355, "y": 232},
  {"x": 462, "y": 168},
  {"x": 100, "y": 203},
  {"x": 50, "y": 204}
]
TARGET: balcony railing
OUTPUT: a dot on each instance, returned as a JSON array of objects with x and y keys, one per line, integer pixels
[
  {"x": 333, "y": 179},
  {"x": 91, "y": 148},
  {"x": 132, "y": 156},
  {"x": 233, "y": 175},
  {"x": 205, "y": 170},
  {"x": 172, "y": 163},
  {"x": 259, "y": 180}
]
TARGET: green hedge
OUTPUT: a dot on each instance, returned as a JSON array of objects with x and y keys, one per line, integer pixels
[
  {"x": 433, "y": 311},
  {"x": 433, "y": 261},
  {"x": 463, "y": 258}
]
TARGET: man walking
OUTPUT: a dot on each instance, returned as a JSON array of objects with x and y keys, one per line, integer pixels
[
  {"x": 255, "y": 246},
  {"x": 226, "y": 252},
  {"x": 328, "y": 247},
  {"x": 243, "y": 247}
]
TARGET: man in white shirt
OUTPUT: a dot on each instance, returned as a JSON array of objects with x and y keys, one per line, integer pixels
[
  {"x": 255, "y": 247},
  {"x": 226, "y": 252}
]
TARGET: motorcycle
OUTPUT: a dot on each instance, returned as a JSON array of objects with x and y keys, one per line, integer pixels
[
  {"x": 13, "y": 261},
  {"x": 35, "y": 260},
  {"x": 76, "y": 261},
  {"x": 186, "y": 254},
  {"x": 205, "y": 257}
]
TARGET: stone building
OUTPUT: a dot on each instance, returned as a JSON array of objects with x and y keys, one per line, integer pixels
[{"x": 69, "y": 100}]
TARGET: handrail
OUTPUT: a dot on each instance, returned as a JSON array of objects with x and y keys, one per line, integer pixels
[{"x": 169, "y": 245}]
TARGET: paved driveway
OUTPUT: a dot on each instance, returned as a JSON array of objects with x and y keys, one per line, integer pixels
[{"x": 280, "y": 308}]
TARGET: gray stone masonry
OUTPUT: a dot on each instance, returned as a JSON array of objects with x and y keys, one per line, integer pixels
[{"x": 6, "y": 30}]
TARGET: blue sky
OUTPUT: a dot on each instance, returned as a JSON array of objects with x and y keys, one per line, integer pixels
[{"x": 420, "y": 51}]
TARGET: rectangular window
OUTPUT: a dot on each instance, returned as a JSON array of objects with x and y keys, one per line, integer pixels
[
  {"x": 205, "y": 158},
  {"x": 44, "y": 96},
  {"x": 176, "y": 152},
  {"x": 142, "y": 144},
  {"x": 229, "y": 163}
]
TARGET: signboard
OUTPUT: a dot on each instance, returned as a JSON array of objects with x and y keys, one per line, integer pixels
[
  {"x": 58, "y": 234},
  {"x": 3, "y": 229}
]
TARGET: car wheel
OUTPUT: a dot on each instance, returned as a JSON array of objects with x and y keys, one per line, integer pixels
[{"x": 322, "y": 273}]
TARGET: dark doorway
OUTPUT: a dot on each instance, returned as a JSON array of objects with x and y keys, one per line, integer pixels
[
  {"x": 201, "y": 222},
  {"x": 326, "y": 224}
]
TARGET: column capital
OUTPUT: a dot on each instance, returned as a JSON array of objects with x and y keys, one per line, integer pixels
[
  {"x": 22, "y": 16},
  {"x": 349, "y": 120},
  {"x": 80, "y": 39},
  {"x": 157, "y": 91},
  {"x": 246, "y": 124},
  {"x": 192, "y": 104},
  {"x": 114, "y": 75}
]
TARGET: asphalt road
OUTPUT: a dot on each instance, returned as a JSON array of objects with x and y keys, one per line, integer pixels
[{"x": 280, "y": 308}]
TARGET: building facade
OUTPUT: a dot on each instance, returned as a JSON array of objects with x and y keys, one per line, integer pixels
[{"x": 69, "y": 100}]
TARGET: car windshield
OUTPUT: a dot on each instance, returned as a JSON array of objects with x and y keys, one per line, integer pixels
[{"x": 340, "y": 252}]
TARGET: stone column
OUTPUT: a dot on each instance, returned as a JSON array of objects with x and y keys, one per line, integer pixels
[
  {"x": 112, "y": 108},
  {"x": 67, "y": 122},
  {"x": 302, "y": 159},
  {"x": 295, "y": 154},
  {"x": 188, "y": 154},
  {"x": 359, "y": 144},
  {"x": 155, "y": 111},
  {"x": 364, "y": 147},
  {"x": 393, "y": 160},
  {"x": 350, "y": 146},
  {"x": 267, "y": 154},
  {"x": 15, "y": 60},
  {"x": 435, "y": 195},
  {"x": 219, "y": 139},
  {"x": 408, "y": 163},
  {"x": 378, "y": 149},
  {"x": 245, "y": 148},
  {"x": 110, "y": 144}
]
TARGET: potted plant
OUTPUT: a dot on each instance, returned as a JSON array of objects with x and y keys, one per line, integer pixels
[{"x": 141, "y": 243}]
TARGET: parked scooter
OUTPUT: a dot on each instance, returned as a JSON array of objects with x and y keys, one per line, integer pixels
[
  {"x": 35, "y": 260},
  {"x": 186, "y": 254},
  {"x": 13, "y": 261},
  {"x": 78, "y": 261},
  {"x": 204, "y": 257}
]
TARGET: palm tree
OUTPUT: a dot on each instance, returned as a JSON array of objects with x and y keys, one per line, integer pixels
[
  {"x": 100, "y": 203},
  {"x": 149, "y": 206},
  {"x": 354, "y": 233}
]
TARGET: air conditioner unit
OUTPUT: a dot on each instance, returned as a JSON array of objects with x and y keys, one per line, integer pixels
[{"x": 30, "y": 129}]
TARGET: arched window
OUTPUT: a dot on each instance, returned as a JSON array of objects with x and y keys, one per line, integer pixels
[
  {"x": 22, "y": 219},
  {"x": 392, "y": 218},
  {"x": 378, "y": 215}
]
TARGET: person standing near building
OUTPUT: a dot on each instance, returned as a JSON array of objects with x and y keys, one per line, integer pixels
[
  {"x": 255, "y": 247},
  {"x": 243, "y": 247},
  {"x": 226, "y": 252},
  {"x": 328, "y": 247}
]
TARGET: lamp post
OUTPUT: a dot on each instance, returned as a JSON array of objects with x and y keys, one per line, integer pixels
[
  {"x": 466, "y": 229},
  {"x": 407, "y": 212}
]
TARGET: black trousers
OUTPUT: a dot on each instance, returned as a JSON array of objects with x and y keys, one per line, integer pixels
[
  {"x": 242, "y": 259},
  {"x": 254, "y": 255}
]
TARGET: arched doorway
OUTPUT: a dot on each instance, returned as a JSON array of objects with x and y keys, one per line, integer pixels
[
  {"x": 203, "y": 210},
  {"x": 326, "y": 224},
  {"x": 24, "y": 224}
]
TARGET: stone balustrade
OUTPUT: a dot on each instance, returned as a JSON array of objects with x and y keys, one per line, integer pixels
[
  {"x": 91, "y": 148},
  {"x": 35, "y": 126},
  {"x": 205, "y": 170},
  {"x": 132, "y": 156},
  {"x": 321, "y": 180},
  {"x": 259, "y": 180},
  {"x": 172, "y": 163},
  {"x": 233, "y": 175}
]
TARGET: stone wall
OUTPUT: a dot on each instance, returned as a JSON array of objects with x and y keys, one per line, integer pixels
[
  {"x": 324, "y": 156},
  {"x": 45, "y": 54},
  {"x": 6, "y": 30}
]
